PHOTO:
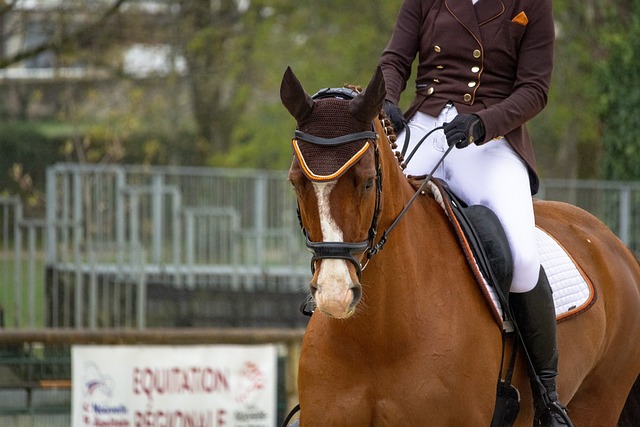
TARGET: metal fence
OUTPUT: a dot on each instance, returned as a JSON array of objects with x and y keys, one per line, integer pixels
[
  {"x": 617, "y": 204},
  {"x": 132, "y": 246}
]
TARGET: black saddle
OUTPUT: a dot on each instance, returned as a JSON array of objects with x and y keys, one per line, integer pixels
[{"x": 486, "y": 238}]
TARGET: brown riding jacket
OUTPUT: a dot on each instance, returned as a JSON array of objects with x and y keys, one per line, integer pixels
[{"x": 493, "y": 59}]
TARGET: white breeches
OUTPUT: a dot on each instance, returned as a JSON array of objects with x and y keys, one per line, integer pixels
[{"x": 492, "y": 175}]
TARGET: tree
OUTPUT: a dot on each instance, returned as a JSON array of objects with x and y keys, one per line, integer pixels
[
  {"x": 620, "y": 95},
  {"x": 566, "y": 134},
  {"x": 63, "y": 30},
  {"x": 328, "y": 43},
  {"x": 235, "y": 52}
]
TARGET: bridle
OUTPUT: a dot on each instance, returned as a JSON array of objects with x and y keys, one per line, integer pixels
[
  {"x": 348, "y": 250},
  {"x": 345, "y": 250}
]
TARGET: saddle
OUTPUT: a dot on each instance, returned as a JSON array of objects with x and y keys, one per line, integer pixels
[
  {"x": 486, "y": 248},
  {"x": 480, "y": 231}
]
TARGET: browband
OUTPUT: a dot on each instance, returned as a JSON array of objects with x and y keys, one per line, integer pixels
[{"x": 335, "y": 141}]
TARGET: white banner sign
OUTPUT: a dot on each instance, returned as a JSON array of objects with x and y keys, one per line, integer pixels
[{"x": 166, "y": 386}]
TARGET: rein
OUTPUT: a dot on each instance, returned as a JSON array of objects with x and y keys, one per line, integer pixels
[{"x": 378, "y": 247}]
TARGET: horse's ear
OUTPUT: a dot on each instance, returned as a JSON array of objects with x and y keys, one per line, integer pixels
[
  {"x": 293, "y": 96},
  {"x": 368, "y": 104}
]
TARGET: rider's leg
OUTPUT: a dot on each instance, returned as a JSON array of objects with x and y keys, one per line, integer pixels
[
  {"x": 535, "y": 316},
  {"x": 493, "y": 175}
]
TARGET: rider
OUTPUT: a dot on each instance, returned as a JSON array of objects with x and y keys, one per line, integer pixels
[{"x": 483, "y": 71}]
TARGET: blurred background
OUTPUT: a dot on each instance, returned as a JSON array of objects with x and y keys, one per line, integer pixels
[
  {"x": 143, "y": 158},
  {"x": 195, "y": 82}
]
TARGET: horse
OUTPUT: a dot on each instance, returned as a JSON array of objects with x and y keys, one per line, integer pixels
[{"x": 401, "y": 334}]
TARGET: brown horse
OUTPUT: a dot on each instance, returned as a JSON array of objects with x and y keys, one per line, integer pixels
[{"x": 409, "y": 340}]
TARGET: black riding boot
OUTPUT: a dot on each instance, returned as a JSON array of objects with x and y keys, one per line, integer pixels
[{"x": 535, "y": 316}]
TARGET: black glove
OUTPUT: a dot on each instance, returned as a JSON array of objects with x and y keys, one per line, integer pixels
[
  {"x": 395, "y": 115},
  {"x": 464, "y": 129}
]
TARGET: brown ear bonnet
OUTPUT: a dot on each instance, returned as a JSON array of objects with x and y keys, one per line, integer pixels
[{"x": 330, "y": 140}]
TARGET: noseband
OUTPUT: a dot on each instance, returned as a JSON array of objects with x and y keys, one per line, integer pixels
[{"x": 345, "y": 250}]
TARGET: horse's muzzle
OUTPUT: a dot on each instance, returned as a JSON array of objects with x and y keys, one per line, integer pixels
[{"x": 336, "y": 304}]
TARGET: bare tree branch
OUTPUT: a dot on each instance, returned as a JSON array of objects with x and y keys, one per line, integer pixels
[{"x": 86, "y": 30}]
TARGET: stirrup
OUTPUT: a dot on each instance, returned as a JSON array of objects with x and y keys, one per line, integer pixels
[{"x": 554, "y": 410}]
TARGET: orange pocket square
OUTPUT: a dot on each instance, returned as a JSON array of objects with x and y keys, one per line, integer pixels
[{"x": 521, "y": 19}]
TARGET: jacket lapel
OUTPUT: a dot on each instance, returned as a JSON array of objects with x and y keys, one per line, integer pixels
[
  {"x": 471, "y": 17},
  {"x": 488, "y": 10},
  {"x": 464, "y": 12}
]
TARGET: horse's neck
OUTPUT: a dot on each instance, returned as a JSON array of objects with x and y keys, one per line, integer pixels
[
  {"x": 394, "y": 180},
  {"x": 397, "y": 191},
  {"x": 417, "y": 251}
]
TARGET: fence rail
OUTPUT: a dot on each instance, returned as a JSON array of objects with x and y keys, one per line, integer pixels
[{"x": 617, "y": 204}]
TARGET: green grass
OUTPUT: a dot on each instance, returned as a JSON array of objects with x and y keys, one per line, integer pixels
[
  {"x": 49, "y": 129},
  {"x": 31, "y": 314}
]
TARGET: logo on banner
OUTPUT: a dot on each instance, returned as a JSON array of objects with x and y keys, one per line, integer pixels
[
  {"x": 251, "y": 381},
  {"x": 97, "y": 385},
  {"x": 97, "y": 406}
]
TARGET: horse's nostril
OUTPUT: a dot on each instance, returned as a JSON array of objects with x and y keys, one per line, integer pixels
[{"x": 357, "y": 294}]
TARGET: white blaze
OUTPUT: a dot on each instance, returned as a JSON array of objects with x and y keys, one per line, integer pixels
[{"x": 334, "y": 281}]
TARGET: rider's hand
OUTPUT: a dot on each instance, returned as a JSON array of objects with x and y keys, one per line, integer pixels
[
  {"x": 464, "y": 129},
  {"x": 395, "y": 115}
]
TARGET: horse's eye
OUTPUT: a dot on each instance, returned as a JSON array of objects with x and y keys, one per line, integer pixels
[{"x": 368, "y": 185}]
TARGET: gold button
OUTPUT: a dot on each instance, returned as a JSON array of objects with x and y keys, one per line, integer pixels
[
  {"x": 471, "y": 84},
  {"x": 475, "y": 69},
  {"x": 476, "y": 53},
  {"x": 439, "y": 67},
  {"x": 467, "y": 97},
  {"x": 436, "y": 80},
  {"x": 437, "y": 49},
  {"x": 430, "y": 90}
]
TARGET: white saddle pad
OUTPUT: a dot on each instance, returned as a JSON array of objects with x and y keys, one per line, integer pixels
[{"x": 572, "y": 290}]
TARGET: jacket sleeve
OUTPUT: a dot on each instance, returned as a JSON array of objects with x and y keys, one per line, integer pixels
[
  {"x": 398, "y": 56},
  {"x": 533, "y": 75}
]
